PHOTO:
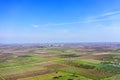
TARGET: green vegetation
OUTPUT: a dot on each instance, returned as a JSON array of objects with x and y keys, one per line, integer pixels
[
  {"x": 58, "y": 76},
  {"x": 58, "y": 63}
]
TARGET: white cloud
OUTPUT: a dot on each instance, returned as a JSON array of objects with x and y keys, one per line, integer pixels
[
  {"x": 102, "y": 17},
  {"x": 57, "y": 24},
  {"x": 111, "y": 13},
  {"x": 35, "y": 26}
]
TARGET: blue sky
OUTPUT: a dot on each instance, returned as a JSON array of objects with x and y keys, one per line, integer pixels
[{"x": 45, "y": 21}]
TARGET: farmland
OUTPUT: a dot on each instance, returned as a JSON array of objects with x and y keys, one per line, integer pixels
[{"x": 60, "y": 61}]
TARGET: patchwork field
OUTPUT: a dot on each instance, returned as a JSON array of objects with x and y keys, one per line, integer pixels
[{"x": 60, "y": 62}]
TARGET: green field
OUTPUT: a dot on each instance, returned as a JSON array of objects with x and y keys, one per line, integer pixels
[{"x": 58, "y": 63}]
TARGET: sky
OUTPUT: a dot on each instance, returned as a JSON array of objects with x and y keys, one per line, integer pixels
[{"x": 57, "y": 21}]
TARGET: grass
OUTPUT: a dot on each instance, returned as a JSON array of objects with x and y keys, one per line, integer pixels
[
  {"x": 21, "y": 61},
  {"x": 66, "y": 64},
  {"x": 69, "y": 56},
  {"x": 58, "y": 76},
  {"x": 88, "y": 60},
  {"x": 89, "y": 69},
  {"x": 1, "y": 78}
]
